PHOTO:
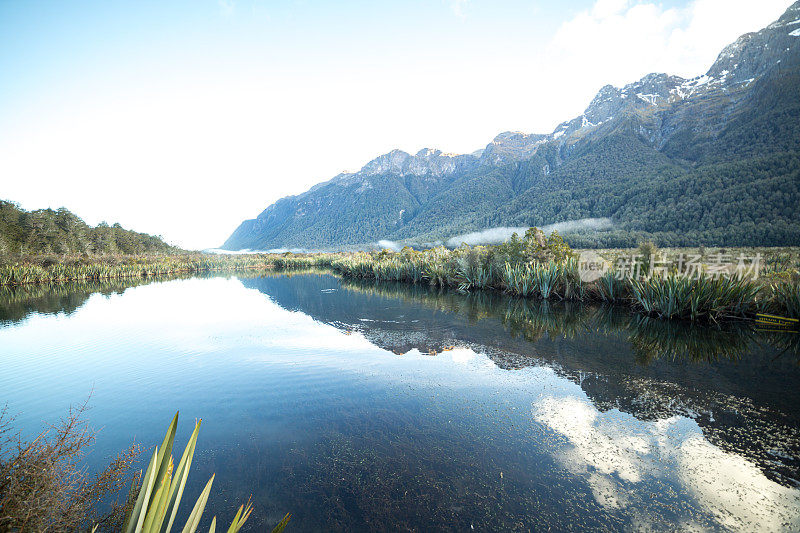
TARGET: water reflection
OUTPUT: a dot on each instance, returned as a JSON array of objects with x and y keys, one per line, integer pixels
[
  {"x": 619, "y": 456},
  {"x": 495, "y": 414},
  {"x": 649, "y": 337},
  {"x": 739, "y": 388},
  {"x": 17, "y": 302}
]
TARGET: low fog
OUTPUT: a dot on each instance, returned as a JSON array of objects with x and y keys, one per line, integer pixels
[{"x": 502, "y": 234}]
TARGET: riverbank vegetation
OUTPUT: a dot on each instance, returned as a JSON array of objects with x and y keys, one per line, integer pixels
[
  {"x": 649, "y": 338},
  {"x": 44, "y": 488},
  {"x": 546, "y": 268},
  {"x": 38, "y": 269},
  {"x": 764, "y": 280}
]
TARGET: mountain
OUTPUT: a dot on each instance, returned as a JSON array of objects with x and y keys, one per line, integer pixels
[
  {"x": 710, "y": 160},
  {"x": 62, "y": 232}
]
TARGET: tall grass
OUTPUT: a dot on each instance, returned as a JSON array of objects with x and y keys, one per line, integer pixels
[
  {"x": 50, "y": 269},
  {"x": 785, "y": 299},
  {"x": 533, "y": 318},
  {"x": 696, "y": 299},
  {"x": 465, "y": 269},
  {"x": 705, "y": 299}
]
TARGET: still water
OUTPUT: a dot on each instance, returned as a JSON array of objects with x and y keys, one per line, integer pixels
[{"x": 363, "y": 406}]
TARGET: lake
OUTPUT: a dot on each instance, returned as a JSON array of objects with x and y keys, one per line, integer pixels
[{"x": 373, "y": 406}]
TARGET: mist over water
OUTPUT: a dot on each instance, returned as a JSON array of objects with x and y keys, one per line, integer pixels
[
  {"x": 502, "y": 234},
  {"x": 390, "y": 245}
]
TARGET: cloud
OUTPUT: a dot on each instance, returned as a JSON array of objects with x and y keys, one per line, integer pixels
[
  {"x": 502, "y": 234},
  {"x": 618, "y": 41},
  {"x": 231, "y": 120},
  {"x": 226, "y": 6},
  {"x": 487, "y": 236},
  {"x": 391, "y": 245},
  {"x": 619, "y": 456},
  {"x": 457, "y": 6}
]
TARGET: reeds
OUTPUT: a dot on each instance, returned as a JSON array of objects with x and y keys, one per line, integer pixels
[
  {"x": 696, "y": 299},
  {"x": 649, "y": 337},
  {"x": 610, "y": 289},
  {"x": 785, "y": 299},
  {"x": 704, "y": 299},
  {"x": 672, "y": 297},
  {"x": 67, "y": 269}
]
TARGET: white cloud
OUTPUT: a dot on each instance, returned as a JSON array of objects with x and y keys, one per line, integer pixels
[
  {"x": 619, "y": 456},
  {"x": 606, "y": 8},
  {"x": 618, "y": 41},
  {"x": 226, "y": 6},
  {"x": 502, "y": 234},
  {"x": 457, "y": 6}
]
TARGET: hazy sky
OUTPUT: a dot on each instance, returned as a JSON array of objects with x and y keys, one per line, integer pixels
[{"x": 184, "y": 118}]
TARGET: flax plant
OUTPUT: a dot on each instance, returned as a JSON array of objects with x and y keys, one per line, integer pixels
[{"x": 161, "y": 490}]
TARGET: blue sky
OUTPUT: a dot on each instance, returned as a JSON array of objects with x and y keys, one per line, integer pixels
[{"x": 183, "y": 118}]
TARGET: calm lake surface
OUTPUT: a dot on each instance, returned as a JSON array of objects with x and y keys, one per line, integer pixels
[{"x": 363, "y": 406}]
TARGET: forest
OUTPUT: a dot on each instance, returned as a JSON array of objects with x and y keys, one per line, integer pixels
[{"x": 48, "y": 231}]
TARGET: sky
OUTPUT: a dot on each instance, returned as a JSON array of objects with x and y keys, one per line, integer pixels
[{"x": 183, "y": 118}]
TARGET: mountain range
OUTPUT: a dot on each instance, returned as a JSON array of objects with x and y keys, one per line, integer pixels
[{"x": 711, "y": 160}]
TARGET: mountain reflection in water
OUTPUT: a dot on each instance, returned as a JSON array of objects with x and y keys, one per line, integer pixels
[
  {"x": 363, "y": 406},
  {"x": 721, "y": 377}
]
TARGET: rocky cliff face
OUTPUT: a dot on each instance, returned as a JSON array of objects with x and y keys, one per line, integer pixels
[{"x": 395, "y": 194}]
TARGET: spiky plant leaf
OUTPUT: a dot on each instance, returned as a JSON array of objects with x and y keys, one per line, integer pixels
[
  {"x": 136, "y": 519},
  {"x": 241, "y": 517},
  {"x": 155, "y": 512},
  {"x": 197, "y": 510},
  {"x": 181, "y": 475},
  {"x": 282, "y": 524}
]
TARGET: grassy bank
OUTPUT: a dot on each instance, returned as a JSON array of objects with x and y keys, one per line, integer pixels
[
  {"x": 534, "y": 266},
  {"x": 649, "y": 338},
  {"x": 535, "y": 271},
  {"x": 41, "y": 269}
]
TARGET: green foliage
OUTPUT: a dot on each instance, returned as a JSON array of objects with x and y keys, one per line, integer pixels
[
  {"x": 49, "y": 269},
  {"x": 785, "y": 299},
  {"x": 705, "y": 299},
  {"x": 725, "y": 172},
  {"x": 534, "y": 247},
  {"x": 161, "y": 490},
  {"x": 695, "y": 299},
  {"x": 46, "y": 231},
  {"x": 610, "y": 289}
]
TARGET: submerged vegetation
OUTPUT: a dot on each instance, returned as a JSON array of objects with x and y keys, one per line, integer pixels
[{"x": 43, "y": 487}]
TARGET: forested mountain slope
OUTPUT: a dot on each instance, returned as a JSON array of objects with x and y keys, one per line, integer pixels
[{"x": 710, "y": 160}]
